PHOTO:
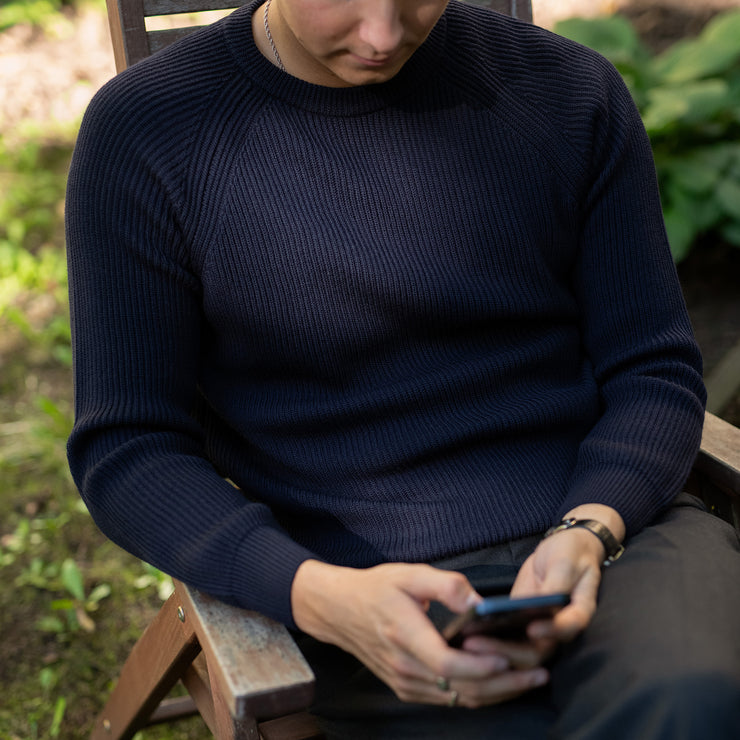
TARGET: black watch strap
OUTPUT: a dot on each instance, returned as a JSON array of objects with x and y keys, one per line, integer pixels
[{"x": 612, "y": 546}]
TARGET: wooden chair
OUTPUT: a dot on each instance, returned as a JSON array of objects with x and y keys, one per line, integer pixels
[
  {"x": 132, "y": 42},
  {"x": 715, "y": 477},
  {"x": 239, "y": 668},
  {"x": 244, "y": 674}
]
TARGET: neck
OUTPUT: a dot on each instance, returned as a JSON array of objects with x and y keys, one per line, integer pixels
[
  {"x": 279, "y": 46},
  {"x": 259, "y": 31},
  {"x": 276, "y": 56}
]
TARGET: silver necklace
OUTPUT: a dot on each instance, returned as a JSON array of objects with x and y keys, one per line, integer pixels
[{"x": 269, "y": 38}]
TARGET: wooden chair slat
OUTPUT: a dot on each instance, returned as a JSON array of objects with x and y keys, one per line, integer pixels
[
  {"x": 160, "y": 39},
  {"x": 719, "y": 456},
  {"x": 300, "y": 726},
  {"x": 175, "y": 707},
  {"x": 198, "y": 684},
  {"x": 172, "y": 7},
  {"x": 516, "y": 8},
  {"x": 715, "y": 477},
  {"x": 262, "y": 672},
  {"x": 153, "y": 667},
  {"x": 128, "y": 32}
]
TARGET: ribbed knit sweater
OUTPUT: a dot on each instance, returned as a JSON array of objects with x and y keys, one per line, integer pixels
[{"x": 405, "y": 320}]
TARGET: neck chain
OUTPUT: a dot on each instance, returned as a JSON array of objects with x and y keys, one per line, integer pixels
[{"x": 269, "y": 38}]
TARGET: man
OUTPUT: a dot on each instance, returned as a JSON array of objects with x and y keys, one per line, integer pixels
[{"x": 397, "y": 269}]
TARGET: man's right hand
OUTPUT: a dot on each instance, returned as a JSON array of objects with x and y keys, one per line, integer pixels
[{"x": 379, "y": 615}]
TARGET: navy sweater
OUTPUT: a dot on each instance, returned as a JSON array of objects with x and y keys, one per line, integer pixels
[{"x": 405, "y": 320}]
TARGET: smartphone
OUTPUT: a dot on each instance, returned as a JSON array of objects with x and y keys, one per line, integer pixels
[{"x": 503, "y": 617}]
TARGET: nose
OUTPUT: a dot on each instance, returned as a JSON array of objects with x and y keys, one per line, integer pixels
[{"x": 381, "y": 28}]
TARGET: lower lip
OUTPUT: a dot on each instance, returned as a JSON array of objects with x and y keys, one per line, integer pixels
[{"x": 372, "y": 62}]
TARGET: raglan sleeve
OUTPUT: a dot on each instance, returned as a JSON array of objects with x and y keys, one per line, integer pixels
[
  {"x": 135, "y": 452},
  {"x": 635, "y": 327}
]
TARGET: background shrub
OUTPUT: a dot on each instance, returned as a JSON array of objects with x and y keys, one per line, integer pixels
[{"x": 689, "y": 99}]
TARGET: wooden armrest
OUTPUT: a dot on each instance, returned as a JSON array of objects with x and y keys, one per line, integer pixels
[
  {"x": 719, "y": 456},
  {"x": 261, "y": 671}
]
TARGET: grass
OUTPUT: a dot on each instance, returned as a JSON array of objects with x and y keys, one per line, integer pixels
[{"x": 72, "y": 604}]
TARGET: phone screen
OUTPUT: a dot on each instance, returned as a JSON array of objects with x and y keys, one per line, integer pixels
[{"x": 503, "y": 617}]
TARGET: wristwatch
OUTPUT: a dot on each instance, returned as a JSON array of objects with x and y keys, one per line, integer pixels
[{"x": 612, "y": 546}]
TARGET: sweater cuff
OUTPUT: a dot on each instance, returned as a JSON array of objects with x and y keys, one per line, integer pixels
[
  {"x": 264, "y": 566},
  {"x": 633, "y": 496}
]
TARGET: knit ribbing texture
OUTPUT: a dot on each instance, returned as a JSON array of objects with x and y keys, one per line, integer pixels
[{"x": 405, "y": 320}]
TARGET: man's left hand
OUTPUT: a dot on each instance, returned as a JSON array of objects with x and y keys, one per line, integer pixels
[{"x": 569, "y": 561}]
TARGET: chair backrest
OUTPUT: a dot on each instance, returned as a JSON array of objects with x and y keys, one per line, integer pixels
[{"x": 133, "y": 41}]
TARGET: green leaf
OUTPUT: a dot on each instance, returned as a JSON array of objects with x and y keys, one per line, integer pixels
[
  {"x": 723, "y": 28},
  {"x": 706, "y": 99},
  {"x": 720, "y": 155},
  {"x": 612, "y": 36},
  {"x": 56, "y": 723},
  {"x": 728, "y": 194},
  {"x": 681, "y": 233},
  {"x": 707, "y": 213},
  {"x": 72, "y": 579},
  {"x": 664, "y": 108},
  {"x": 62, "y": 604},
  {"x": 52, "y": 410},
  {"x": 702, "y": 212},
  {"x": 48, "y": 678},
  {"x": 695, "y": 59},
  {"x": 50, "y": 624},
  {"x": 695, "y": 174},
  {"x": 99, "y": 593},
  {"x": 696, "y": 102}
]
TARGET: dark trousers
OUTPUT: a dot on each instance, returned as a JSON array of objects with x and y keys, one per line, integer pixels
[{"x": 660, "y": 660}]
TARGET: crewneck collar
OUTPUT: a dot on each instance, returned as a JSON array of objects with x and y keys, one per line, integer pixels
[{"x": 338, "y": 101}]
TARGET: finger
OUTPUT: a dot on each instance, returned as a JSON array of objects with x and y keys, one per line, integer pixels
[
  {"x": 526, "y": 582},
  {"x": 574, "y": 618},
  {"x": 411, "y": 648},
  {"x": 448, "y": 587},
  {"x": 413, "y": 681},
  {"x": 515, "y": 654},
  {"x": 534, "y": 651},
  {"x": 498, "y": 689},
  {"x": 442, "y": 660},
  {"x": 474, "y": 693},
  {"x": 571, "y": 622}
]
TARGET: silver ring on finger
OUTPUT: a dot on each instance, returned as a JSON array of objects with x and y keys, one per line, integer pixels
[
  {"x": 442, "y": 683},
  {"x": 452, "y": 701}
]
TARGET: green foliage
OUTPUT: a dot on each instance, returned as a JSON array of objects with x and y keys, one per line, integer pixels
[
  {"x": 32, "y": 547},
  {"x": 33, "y": 271},
  {"x": 34, "y": 12},
  {"x": 78, "y": 616},
  {"x": 689, "y": 99}
]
